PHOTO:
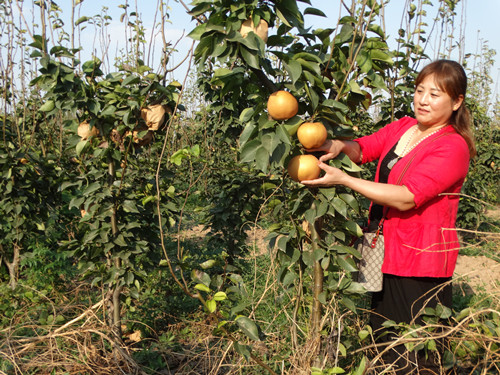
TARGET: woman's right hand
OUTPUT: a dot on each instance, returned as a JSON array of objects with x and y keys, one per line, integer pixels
[{"x": 331, "y": 148}]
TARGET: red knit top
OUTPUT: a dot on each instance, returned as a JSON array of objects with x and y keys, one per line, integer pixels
[{"x": 422, "y": 242}]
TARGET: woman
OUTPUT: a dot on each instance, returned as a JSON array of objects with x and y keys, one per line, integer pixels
[{"x": 421, "y": 245}]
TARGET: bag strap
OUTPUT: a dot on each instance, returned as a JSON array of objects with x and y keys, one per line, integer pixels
[{"x": 400, "y": 178}]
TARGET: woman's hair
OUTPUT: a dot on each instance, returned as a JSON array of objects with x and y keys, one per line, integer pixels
[{"x": 451, "y": 78}]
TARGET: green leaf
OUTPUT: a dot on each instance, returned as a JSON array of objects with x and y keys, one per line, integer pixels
[
  {"x": 289, "y": 13},
  {"x": 345, "y": 35},
  {"x": 289, "y": 278},
  {"x": 310, "y": 215},
  {"x": 431, "y": 345},
  {"x": 248, "y": 132},
  {"x": 94, "y": 107},
  {"x": 340, "y": 206},
  {"x": 313, "y": 67},
  {"x": 248, "y": 150},
  {"x": 283, "y": 18},
  {"x": 377, "y": 29},
  {"x": 347, "y": 264},
  {"x": 38, "y": 42},
  {"x": 328, "y": 193},
  {"x": 322, "y": 209},
  {"x": 129, "y": 278},
  {"x": 147, "y": 199},
  {"x": 91, "y": 188},
  {"x": 336, "y": 370},
  {"x": 211, "y": 305},
  {"x": 377, "y": 54},
  {"x": 48, "y": 106},
  {"x": 350, "y": 200},
  {"x": 314, "y": 12},
  {"x": 354, "y": 228},
  {"x": 360, "y": 370},
  {"x": 202, "y": 277},
  {"x": 308, "y": 258},
  {"x": 120, "y": 241},
  {"x": 109, "y": 110},
  {"x": 246, "y": 114},
  {"x": 200, "y": 9},
  {"x": 67, "y": 184},
  {"x": 294, "y": 69},
  {"x": 336, "y": 105},
  {"x": 342, "y": 349},
  {"x": 248, "y": 327},
  {"x": 282, "y": 241},
  {"x": 293, "y": 124},
  {"x": 130, "y": 206},
  {"x": 250, "y": 57},
  {"x": 220, "y": 296},
  {"x": 363, "y": 334},
  {"x": 243, "y": 350},
  {"x": 364, "y": 62},
  {"x": 282, "y": 135},
  {"x": 202, "y": 287},
  {"x": 178, "y": 156},
  {"x": 443, "y": 312},
  {"x": 81, "y": 20},
  {"x": 130, "y": 80},
  {"x": 208, "y": 264},
  {"x": 76, "y": 202},
  {"x": 354, "y": 86},
  {"x": 262, "y": 159},
  {"x": 343, "y": 249},
  {"x": 322, "y": 298},
  {"x": 307, "y": 56},
  {"x": 349, "y": 303},
  {"x": 313, "y": 97}
]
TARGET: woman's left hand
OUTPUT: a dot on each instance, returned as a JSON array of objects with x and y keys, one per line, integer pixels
[{"x": 333, "y": 176}]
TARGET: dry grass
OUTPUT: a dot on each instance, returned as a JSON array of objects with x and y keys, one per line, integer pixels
[{"x": 84, "y": 345}]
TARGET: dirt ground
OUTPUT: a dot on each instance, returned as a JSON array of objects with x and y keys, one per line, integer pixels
[
  {"x": 478, "y": 273},
  {"x": 473, "y": 274}
]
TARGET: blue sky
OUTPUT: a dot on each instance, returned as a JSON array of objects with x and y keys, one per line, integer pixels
[{"x": 481, "y": 15}]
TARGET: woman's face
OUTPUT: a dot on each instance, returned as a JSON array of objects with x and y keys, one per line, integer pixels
[{"x": 433, "y": 107}]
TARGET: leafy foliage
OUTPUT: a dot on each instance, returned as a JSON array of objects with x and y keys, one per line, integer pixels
[{"x": 109, "y": 211}]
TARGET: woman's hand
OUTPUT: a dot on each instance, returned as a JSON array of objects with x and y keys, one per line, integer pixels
[
  {"x": 333, "y": 176},
  {"x": 331, "y": 148},
  {"x": 396, "y": 196}
]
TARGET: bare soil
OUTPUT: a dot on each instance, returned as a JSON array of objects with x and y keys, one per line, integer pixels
[
  {"x": 473, "y": 274},
  {"x": 481, "y": 273},
  {"x": 476, "y": 274}
]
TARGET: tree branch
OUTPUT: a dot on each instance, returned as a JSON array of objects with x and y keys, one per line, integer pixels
[{"x": 264, "y": 80}]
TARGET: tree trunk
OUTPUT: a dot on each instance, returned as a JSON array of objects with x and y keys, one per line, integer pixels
[
  {"x": 317, "y": 309},
  {"x": 117, "y": 319},
  {"x": 13, "y": 266},
  {"x": 115, "y": 313},
  {"x": 317, "y": 284}
]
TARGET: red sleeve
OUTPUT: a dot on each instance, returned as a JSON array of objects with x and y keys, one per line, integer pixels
[
  {"x": 444, "y": 166},
  {"x": 373, "y": 145}
]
